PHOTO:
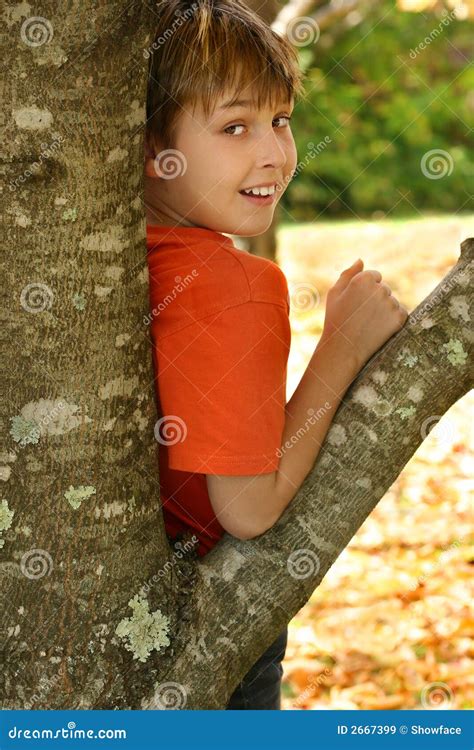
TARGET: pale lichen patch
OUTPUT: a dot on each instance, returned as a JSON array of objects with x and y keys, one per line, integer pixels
[
  {"x": 54, "y": 416},
  {"x": 32, "y": 118},
  {"x": 456, "y": 354},
  {"x": 22, "y": 220},
  {"x": 427, "y": 323},
  {"x": 382, "y": 408},
  {"x": 70, "y": 214},
  {"x": 459, "y": 308},
  {"x": 121, "y": 339},
  {"x": 365, "y": 395},
  {"x": 407, "y": 359},
  {"x": 109, "y": 424},
  {"x": 131, "y": 504},
  {"x": 380, "y": 377},
  {"x": 364, "y": 482},
  {"x": 144, "y": 630},
  {"x": 50, "y": 54},
  {"x": 233, "y": 562},
  {"x": 14, "y": 13},
  {"x": 405, "y": 412},
  {"x": 109, "y": 241},
  {"x": 136, "y": 204},
  {"x": 119, "y": 387},
  {"x": 8, "y": 456},
  {"x": 79, "y": 301},
  {"x": 109, "y": 510},
  {"x": 117, "y": 154},
  {"x": 415, "y": 393},
  {"x": 5, "y": 472},
  {"x": 136, "y": 115},
  {"x": 114, "y": 272},
  {"x": 140, "y": 419},
  {"x": 76, "y": 495},
  {"x": 102, "y": 291},
  {"x": 24, "y": 431},
  {"x": 6, "y": 518},
  {"x": 337, "y": 435}
]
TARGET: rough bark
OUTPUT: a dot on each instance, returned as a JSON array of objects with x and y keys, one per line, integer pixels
[{"x": 81, "y": 525}]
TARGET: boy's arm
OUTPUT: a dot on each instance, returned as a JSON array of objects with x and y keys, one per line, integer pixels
[
  {"x": 247, "y": 506},
  {"x": 361, "y": 314}
]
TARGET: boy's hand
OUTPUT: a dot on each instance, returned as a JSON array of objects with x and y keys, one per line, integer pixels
[{"x": 361, "y": 312}]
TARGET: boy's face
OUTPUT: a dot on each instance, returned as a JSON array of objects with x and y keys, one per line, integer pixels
[{"x": 214, "y": 160}]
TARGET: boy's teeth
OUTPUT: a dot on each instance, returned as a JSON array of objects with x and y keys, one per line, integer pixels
[{"x": 261, "y": 191}]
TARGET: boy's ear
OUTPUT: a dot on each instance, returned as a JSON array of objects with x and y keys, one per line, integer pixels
[{"x": 150, "y": 151}]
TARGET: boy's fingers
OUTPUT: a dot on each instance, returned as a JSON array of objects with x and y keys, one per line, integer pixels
[
  {"x": 376, "y": 274},
  {"x": 348, "y": 273}
]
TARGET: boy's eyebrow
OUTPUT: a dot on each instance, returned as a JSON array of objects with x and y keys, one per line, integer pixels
[
  {"x": 231, "y": 103},
  {"x": 236, "y": 103}
]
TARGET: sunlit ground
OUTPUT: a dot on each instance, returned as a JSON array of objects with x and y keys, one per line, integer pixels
[{"x": 391, "y": 624}]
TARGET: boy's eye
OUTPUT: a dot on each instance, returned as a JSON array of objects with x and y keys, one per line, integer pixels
[{"x": 281, "y": 117}]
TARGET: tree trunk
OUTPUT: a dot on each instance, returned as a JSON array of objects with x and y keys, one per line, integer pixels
[{"x": 81, "y": 528}]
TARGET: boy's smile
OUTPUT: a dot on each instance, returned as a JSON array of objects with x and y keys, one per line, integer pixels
[{"x": 237, "y": 148}]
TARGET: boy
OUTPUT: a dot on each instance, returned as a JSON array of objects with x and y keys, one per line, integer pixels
[{"x": 219, "y": 153}]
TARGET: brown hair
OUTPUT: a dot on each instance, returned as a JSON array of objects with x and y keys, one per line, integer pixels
[{"x": 205, "y": 47}]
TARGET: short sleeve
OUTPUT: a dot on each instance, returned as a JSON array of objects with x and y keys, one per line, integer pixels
[{"x": 222, "y": 390}]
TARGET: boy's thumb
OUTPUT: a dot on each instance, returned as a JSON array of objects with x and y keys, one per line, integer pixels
[{"x": 348, "y": 273}]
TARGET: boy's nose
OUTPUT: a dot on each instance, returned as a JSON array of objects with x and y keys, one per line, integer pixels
[{"x": 271, "y": 153}]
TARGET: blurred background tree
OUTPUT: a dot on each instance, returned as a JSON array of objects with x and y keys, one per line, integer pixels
[{"x": 386, "y": 83}]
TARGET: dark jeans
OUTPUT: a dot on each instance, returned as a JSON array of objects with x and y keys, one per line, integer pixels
[{"x": 260, "y": 688}]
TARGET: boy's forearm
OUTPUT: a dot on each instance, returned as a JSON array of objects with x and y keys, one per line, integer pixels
[{"x": 309, "y": 413}]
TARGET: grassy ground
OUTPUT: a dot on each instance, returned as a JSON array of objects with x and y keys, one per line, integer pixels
[{"x": 390, "y": 626}]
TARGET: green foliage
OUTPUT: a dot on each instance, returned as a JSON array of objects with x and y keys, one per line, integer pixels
[{"x": 385, "y": 103}]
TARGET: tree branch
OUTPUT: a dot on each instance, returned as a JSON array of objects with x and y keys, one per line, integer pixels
[{"x": 247, "y": 591}]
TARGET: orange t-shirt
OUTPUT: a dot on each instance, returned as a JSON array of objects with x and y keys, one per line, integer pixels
[{"x": 219, "y": 322}]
